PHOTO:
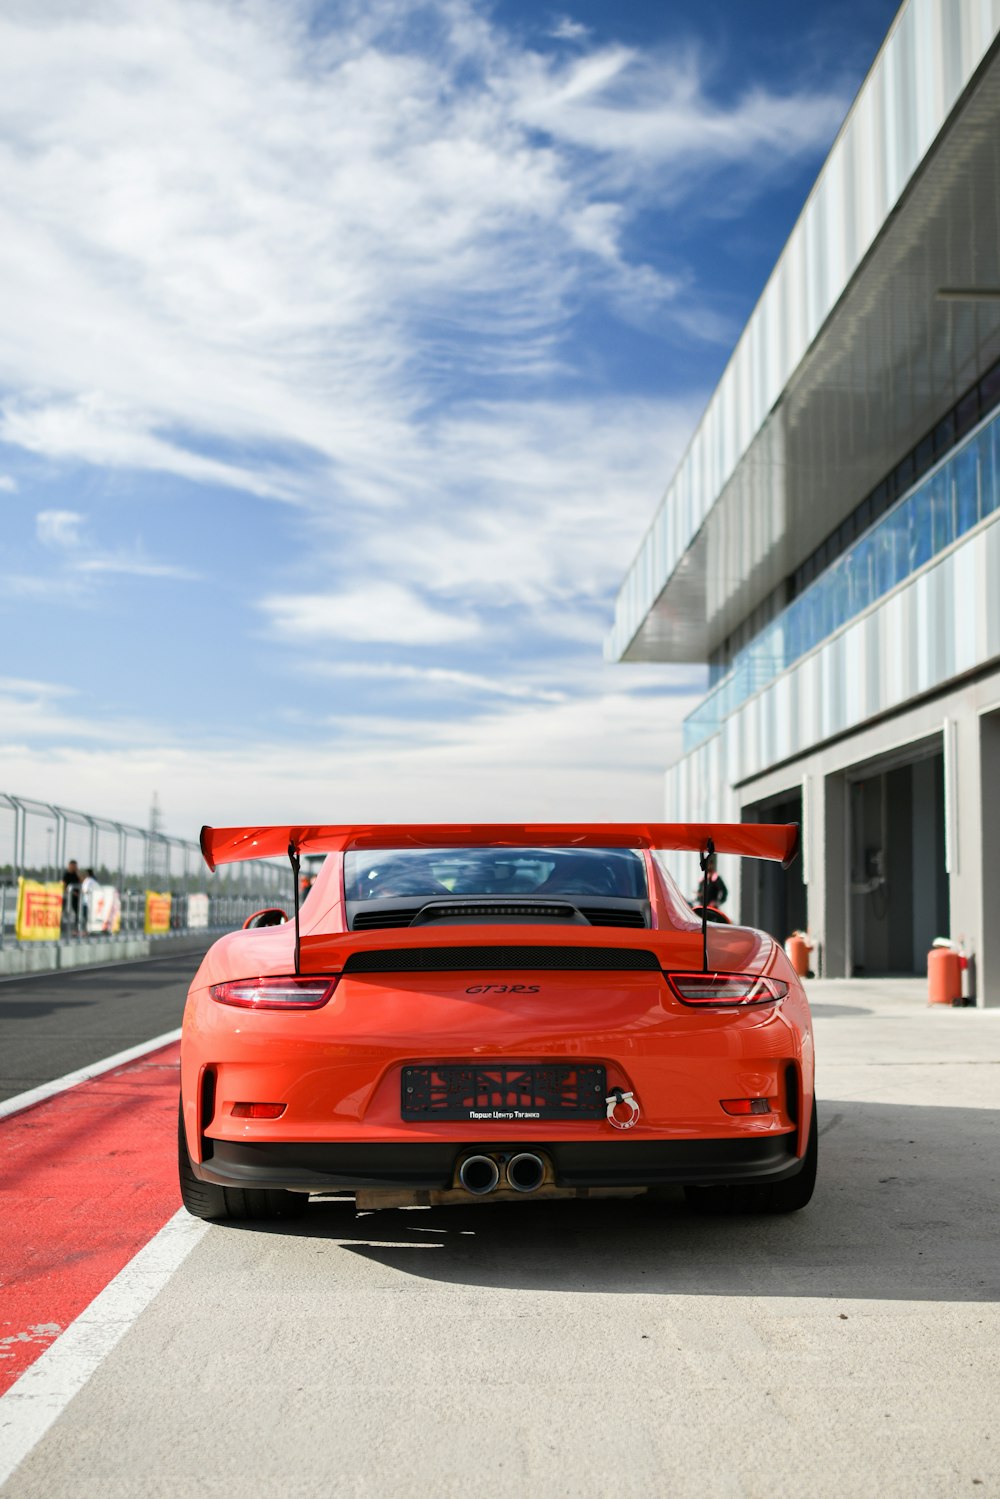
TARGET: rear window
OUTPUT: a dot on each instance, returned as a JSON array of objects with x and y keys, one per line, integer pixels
[{"x": 386, "y": 873}]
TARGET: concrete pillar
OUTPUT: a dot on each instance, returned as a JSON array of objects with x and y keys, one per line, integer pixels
[
  {"x": 979, "y": 855},
  {"x": 829, "y": 874}
]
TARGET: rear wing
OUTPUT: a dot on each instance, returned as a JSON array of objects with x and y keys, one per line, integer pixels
[{"x": 749, "y": 840}]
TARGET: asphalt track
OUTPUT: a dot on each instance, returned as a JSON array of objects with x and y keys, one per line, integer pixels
[
  {"x": 564, "y": 1349},
  {"x": 56, "y": 1023}
]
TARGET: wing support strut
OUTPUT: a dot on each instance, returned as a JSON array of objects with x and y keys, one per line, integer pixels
[
  {"x": 295, "y": 862},
  {"x": 704, "y": 859}
]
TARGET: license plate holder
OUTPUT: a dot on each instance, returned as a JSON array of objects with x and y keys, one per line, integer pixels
[{"x": 483, "y": 1092}]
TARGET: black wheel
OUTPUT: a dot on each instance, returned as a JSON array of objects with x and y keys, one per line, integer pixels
[
  {"x": 766, "y": 1197},
  {"x": 206, "y": 1200}
]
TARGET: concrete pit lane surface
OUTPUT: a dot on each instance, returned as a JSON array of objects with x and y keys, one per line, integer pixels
[{"x": 583, "y": 1349}]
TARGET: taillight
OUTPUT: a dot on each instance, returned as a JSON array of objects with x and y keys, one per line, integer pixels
[
  {"x": 275, "y": 994},
  {"x": 258, "y": 1110},
  {"x": 726, "y": 988},
  {"x": 746, "y": 1105}
]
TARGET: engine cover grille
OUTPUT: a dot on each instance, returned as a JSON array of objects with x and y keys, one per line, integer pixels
[{"x": 458, "y": 959}]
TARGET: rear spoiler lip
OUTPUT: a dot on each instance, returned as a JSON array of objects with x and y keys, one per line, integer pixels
[
  {"x": 331, "y": 950},
  {"x": 778, "y": 842}
]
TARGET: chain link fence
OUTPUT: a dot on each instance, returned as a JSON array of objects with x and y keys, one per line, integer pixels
[{"x": 37, "y": 839}]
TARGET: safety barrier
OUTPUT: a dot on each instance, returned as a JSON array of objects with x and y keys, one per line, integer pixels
[
  {"x": 153, "y": 885},
  {"x": 224, "y": 913}
]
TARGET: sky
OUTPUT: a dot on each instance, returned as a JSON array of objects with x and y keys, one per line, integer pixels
[{"x": 346, "y": 350}]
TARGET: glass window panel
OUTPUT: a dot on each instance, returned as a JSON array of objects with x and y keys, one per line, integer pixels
[
  {"x": 793, "y": 633},
  {"x": 861, "y": 575},
  {"x": 827, "y": 601},
  {"x": 988, "y": 446},
  {"x": 919, "y": 528},
  {"x": 840, "y": 593},
  {"x": 882, "y": 540},
  {"x": 942, "y": 519},
  {"x": 892, "y": 550},
  {"x": 807, "y": 622},
  {"x": 900, "y": 528},
  {"x": 965, "y": 469},
  {"x": 947, "y": 504}
]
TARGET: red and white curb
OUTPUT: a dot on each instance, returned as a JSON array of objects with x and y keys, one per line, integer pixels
[
  {"x": 38, "y": 1398},
  {"x": 85, "y": 1144},
  {"x": 84, "y": 1074}
]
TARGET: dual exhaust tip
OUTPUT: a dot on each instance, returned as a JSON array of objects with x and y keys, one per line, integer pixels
[{"x": 480, "y": 1174}]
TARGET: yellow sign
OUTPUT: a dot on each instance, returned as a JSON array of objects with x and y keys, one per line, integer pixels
[
  {"x": 39, "y": 911},
  {"x": 157, "y": 913}
]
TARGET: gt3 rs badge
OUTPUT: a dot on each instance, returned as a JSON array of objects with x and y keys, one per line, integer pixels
[{"x": 503, "y": 989}]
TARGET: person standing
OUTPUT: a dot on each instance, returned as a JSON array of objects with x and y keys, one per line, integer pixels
[
  {"x": 87, "y": 889},
  {"x": 712, "y": 891},
  {"x": 71, "y": 896}
]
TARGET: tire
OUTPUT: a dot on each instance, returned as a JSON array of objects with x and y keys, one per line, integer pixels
[
  {"x": 766, "y": 1197},
  {"x": 231, "y": 1204}
]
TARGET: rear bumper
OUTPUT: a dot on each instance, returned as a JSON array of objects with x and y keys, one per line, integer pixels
[{"x": 612, "y": 1163}]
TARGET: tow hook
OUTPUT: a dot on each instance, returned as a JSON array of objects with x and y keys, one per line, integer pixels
[{"x": 617, "y": 1099}]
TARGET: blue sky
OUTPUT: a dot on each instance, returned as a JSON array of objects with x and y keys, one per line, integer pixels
[{"x": 346, "y": 351}]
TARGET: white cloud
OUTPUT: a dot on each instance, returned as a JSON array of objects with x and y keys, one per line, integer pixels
[
  {"x": 304, "y": 276},
  {"x": 377, "y": 612},
  {"x": 562, "y": 500},
  {"x": 654, "y": 111},
  {"x": 108, "y": 434},
  {"x": 567, "y": 30},
  {"x": 136, "y": 567},
  {"x": 59, "y": 528},
  {"x": 31, "y": 586},
  {"x": 8, "y": 484},
  {"x": 34, "y": 718},
  {"x": 437, "y": 678},
  {"x": 61, "y": 531},
  {"x": 594, "y": 758},
  {"x": 25, "y": 686},
  {"x": 317, "y": 261}
]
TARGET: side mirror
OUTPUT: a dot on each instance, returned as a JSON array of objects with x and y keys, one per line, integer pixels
[
  {"x": 712, "y": 913},
  {"x": 271, "y": 916}
]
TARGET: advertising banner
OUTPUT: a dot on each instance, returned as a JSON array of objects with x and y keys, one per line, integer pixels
[
  {"x": 104, "y": 910},
  {"x": 157, "y": 913},
  {"x": 39, "y": 911},
  {"x": 198, "y": 910}
]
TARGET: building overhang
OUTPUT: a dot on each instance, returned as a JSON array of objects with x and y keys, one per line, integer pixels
[{"x": 880, "y": 313}]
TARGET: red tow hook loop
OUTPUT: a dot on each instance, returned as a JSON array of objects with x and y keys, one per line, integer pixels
[{"x": 618, "y": 1099}]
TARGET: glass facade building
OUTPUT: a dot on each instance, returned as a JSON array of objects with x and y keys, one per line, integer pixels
[
  {"x": 830, "y": 543},
  {"x": 961, "y": 491}
]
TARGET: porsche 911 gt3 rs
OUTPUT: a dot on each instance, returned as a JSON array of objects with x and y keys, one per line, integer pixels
[{"x": 463, "y": 1013}]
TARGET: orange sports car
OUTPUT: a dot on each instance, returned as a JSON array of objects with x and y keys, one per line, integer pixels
[{"x": 494, "y": 1013}]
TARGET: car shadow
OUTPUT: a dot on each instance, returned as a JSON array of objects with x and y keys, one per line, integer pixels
[
  {"x": 821, "y": 1011},
  {"x": 903, "y": 1211},
  {"x": 33, "y": 1009}
]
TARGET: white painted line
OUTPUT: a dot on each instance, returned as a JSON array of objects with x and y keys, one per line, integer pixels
[
  {"x": 84, "y": 1074},
  {"x": 44, "y": 1390}
]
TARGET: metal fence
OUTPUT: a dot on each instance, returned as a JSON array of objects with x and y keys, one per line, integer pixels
[
  {"x": 225, "y": 913},
  {"x": 38, "y": 838}
]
